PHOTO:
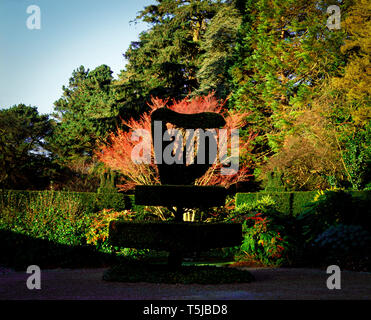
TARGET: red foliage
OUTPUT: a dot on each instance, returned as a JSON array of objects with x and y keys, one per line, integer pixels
[{"x": 116, "y": 154}]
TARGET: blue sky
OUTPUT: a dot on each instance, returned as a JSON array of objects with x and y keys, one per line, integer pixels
[{"x": 35, "y": 64}]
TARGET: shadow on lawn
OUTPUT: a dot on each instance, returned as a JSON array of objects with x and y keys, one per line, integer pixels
[{"x": 18, "y": 251}]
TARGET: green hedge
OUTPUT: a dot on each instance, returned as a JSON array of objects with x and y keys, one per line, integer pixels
[
  {"x": 170, "y": 235},
  {"x": 92, "y": 202},
  {"x": 291, "y": 203},
  {"x": 188, "y": 196},
  {"x": 50, "y": 221}
]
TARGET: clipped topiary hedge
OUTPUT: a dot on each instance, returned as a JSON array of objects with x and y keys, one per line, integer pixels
[
  {"x": 178, "y": 236},
  {"x": 291, "y": 203},
  {"x": 91, "y": 202},
  {"x": 45, "y": 223},
  {"x": 187, "y": 196}
]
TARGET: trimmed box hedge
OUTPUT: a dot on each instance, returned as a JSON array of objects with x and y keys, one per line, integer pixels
[
  {"x": 174, "y": 236},
  {"x": 90, "y": 201},
  {"x": 188, "y": 196},
  {"x": 291, "y": 203}
]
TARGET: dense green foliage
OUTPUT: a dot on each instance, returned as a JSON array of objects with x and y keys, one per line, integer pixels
[
  {"x": 52, "y": 224},
  {"x": 61, "y": 217},
  {"x": 266, "y": 234},
  {"x": 294, "y": 202},
  {"x": 85, "y": 114},
  {"x": 330, "y": 216},
  {"x": 304, "y": 233},
  {"x": 19, "y": 251},
  {"x": 165, "y": 60},
  {"x": 89, "y": 202},
  {"x": 50, "y": 228},
  {"x": 23, "y": 157},
  {"x": 330, "y": 208},
  {"x": 303, "y": 85},
  {"x": 289, "y": 73},
  {"x": 217, "y": 56},
  {"x": 270, "y": 236}
]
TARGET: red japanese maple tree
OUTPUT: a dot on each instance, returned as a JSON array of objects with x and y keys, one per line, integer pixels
[{"x": 117, "y": 152}]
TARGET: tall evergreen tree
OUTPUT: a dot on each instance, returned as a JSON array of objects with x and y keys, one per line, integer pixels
[
  {"x": 24, "y": 160},
  {"x": 85, "y": 113},
  {"x": 347, "y": 96},
  {"x": 285, "y": 52},
  {"x": 218, "y": 44},
  {"x": 164, "y": 62},
  {"x": 284, "y": 55}
]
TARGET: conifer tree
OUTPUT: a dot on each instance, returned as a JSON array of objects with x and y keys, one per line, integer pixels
[
  {"x": 85, "y": 113},
  {"x": 164, "y": 62},
  {"x": 285, "y": 54}
]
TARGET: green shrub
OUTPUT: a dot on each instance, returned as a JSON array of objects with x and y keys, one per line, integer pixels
[
  {"x": 325, "y": 212},
  {"x": 294, "y": 203},
  {"x": 115, "y": 201},
  {"x": 97, "y": 231},
  {"x": 90, "y": 202},
  {"x": 274, "y": 182},
  {"x": 61, "y": 217},
  {"x": 188, "y": 196},
  {"x": 48, "y": 215},
  {"x": 264, "y": 234},
  {"x": 287, "y": 203}
]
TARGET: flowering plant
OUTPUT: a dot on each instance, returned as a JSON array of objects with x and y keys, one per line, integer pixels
[
  {"x": 263, "y": 239},
  {"x": 98, "y": 229}
]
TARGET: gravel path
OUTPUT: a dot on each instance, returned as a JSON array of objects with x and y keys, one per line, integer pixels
[{"x": 280, "y": 283}]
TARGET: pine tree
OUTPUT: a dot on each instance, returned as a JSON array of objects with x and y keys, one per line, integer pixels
[
  {"x": 85, "y": 113},
  {"x": 24, "y": 160},
  {"x": 218, "y": 44}
]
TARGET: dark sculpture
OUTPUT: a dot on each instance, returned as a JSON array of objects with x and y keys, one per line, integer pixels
[
  {"x": 178, "y": 191},
  {"x": 182, "y": 174}
]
